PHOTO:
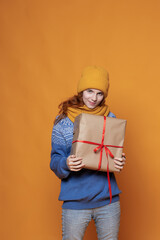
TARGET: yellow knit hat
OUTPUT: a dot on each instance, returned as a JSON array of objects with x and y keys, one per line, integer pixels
[{"x": 94, "y": 77}]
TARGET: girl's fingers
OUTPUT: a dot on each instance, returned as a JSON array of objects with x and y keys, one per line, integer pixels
[
  {"x": 76, "y": 159},
  {"x": 72, "y": 156},
  {"x": 118, "y": 167},
  {"x": 119, "y": 162},
  {"x": 120, "y": 159},
  {"x": 77, "y": 168},
  {"x": 75, "y": 163}
]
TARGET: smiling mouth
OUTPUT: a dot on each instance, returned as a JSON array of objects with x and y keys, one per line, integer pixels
[{"x": 92, "y": 103}]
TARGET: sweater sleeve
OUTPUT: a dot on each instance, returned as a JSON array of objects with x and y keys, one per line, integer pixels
[{"x": 59, "y": 154}]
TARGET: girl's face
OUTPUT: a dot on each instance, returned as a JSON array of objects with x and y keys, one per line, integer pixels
[{"x": 92, "y": 97}]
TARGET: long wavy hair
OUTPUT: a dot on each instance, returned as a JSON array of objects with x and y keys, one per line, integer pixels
[{"x": 75, "y": 101}]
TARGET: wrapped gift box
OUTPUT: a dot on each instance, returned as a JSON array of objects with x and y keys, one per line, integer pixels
[{"x": 87, "y": 137}]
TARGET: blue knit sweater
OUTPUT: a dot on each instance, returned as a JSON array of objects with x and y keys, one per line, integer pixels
[{"x": 79, "y": 190}]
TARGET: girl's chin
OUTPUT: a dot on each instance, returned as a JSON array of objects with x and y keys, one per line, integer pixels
[{"x": 91, "y": 106}]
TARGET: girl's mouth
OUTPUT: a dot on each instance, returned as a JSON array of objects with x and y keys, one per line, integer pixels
[{"x": 92, "y": 103}]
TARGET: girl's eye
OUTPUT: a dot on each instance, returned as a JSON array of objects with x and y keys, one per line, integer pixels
[
  {"x": 100, "y": 93},
  {"x": 89, "y": 90}
]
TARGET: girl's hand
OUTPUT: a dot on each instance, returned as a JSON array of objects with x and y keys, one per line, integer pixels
[
  {"x": 120, "y": 162},
  {"x": 74, "y": 163}
]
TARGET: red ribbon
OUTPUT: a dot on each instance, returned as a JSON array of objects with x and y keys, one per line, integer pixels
[{"x": 101, "y": 146}]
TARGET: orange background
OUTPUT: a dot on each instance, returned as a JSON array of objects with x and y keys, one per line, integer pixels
[{"x": 44, "y": 45}]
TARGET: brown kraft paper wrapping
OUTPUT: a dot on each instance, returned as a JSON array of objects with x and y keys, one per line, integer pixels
[{"x": 88, "y": 127}]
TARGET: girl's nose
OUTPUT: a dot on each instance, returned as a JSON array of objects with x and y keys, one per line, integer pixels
[{"x": 94, "y": 97}]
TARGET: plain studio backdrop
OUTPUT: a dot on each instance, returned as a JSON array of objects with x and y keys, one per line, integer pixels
[{"x": 44, "y": 46}]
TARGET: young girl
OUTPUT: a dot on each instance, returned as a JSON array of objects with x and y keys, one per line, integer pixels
[{"x": 85, "y": 193}]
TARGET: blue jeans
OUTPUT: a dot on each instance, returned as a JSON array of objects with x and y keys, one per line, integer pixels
[{"x": 106, "y": 218}]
